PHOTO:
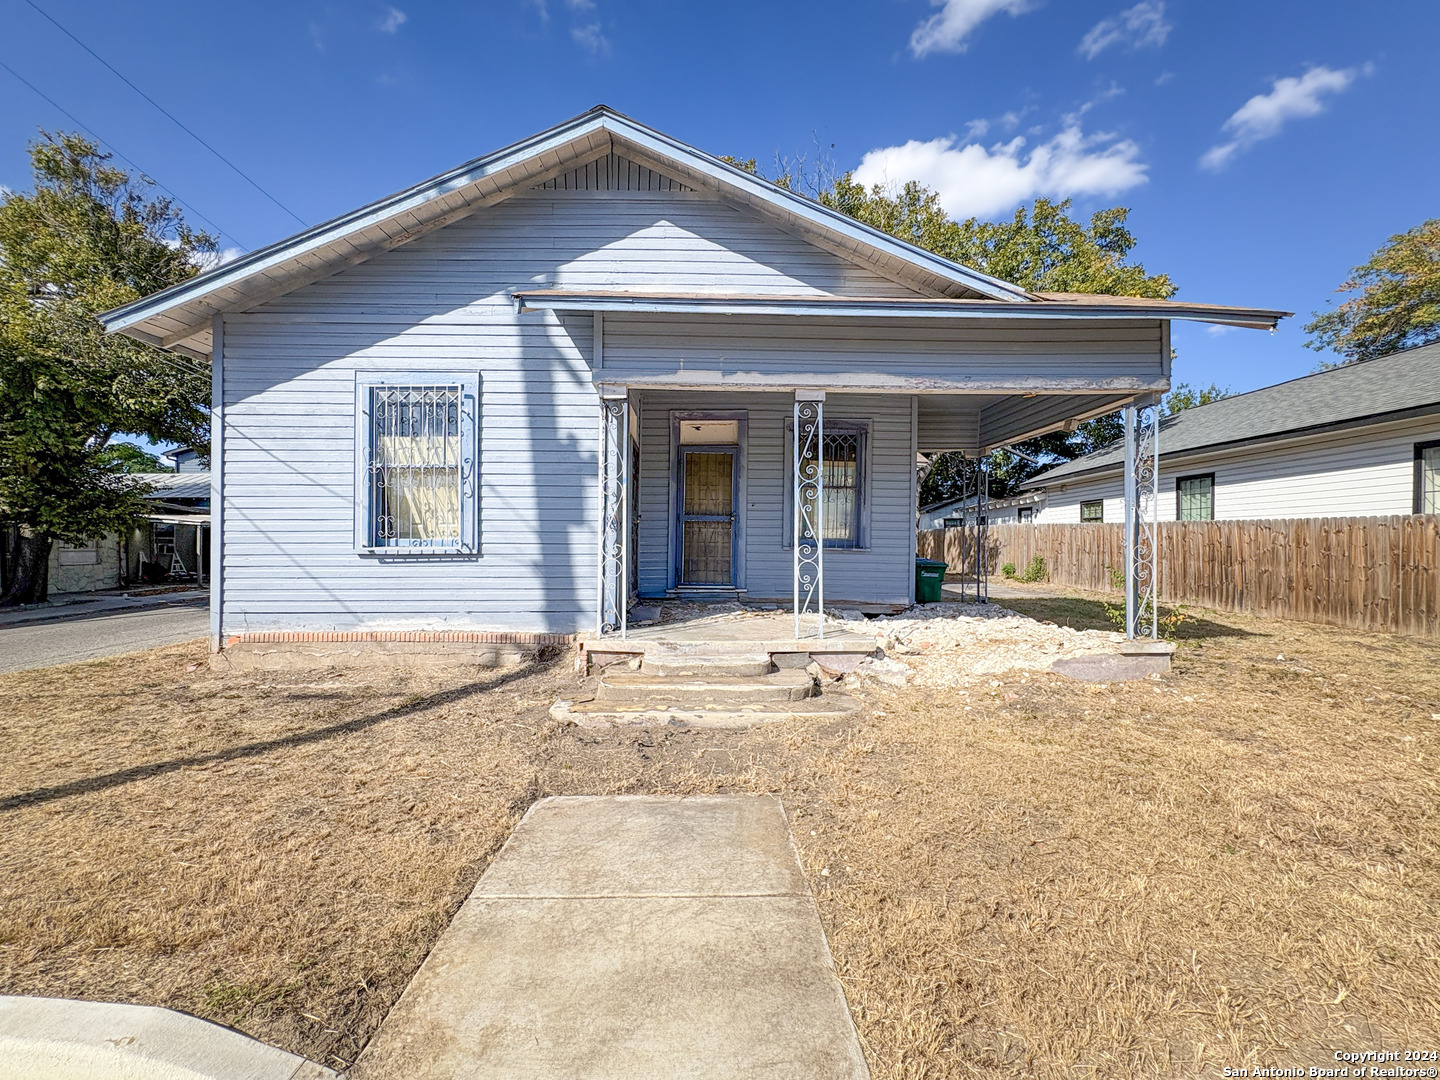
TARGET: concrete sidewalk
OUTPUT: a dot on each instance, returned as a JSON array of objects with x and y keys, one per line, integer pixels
[
  {"x": 70, "y": 606},
  {"x": 635, "y": 937}
]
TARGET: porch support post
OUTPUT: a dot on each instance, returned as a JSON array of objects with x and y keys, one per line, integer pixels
[
  {"x": 982, "y": 529},
  {"x": 614, "y": 503},
  {"x": 809, "y": 499},
  {"x": 1142, "y": 552}
]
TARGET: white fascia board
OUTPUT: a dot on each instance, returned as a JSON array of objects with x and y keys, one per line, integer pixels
[
  {"x": 843, "y": 307},
  {"x": 276, "y": 256}
]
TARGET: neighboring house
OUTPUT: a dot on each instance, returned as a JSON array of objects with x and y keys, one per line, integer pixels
[
  {"x": 184, "y": 459},
  {"x": 573, "y": 369},
  {"x": 957, "y": 513},
  {"x": 169, "y": 544},
  {"x": 1357, "y": 440}
]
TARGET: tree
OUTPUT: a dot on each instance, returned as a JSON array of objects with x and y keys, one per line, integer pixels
[
  {"x": 1184, "y": 396},
  {"x": 126, "y": 457},
  {"x": 87, "y": 239},
  {"x": 1042, "y": 249},
  {"x": 1398, "y": 306}
]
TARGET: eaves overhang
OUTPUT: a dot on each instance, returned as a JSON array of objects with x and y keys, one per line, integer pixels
[
  {"x": 883, "y": 307},
  {"x": 179, "y": 317}
]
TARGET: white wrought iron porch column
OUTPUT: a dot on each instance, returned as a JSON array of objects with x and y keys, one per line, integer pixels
[
  {"x": 613, "y": 562},
  {"x": 982, "y": 530},
  {"x": 808, "y": 469},
  {"x": 1142, "y": 504}
]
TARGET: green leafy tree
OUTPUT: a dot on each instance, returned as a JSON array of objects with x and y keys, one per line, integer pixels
[
  {"x": 88, "y": 238},
  {"x": 1397, "y": 301},
  {"x": 1184, "y": 396},
  {"x": 126, "y": 457},
  {"x": 1042, "y": 249}
]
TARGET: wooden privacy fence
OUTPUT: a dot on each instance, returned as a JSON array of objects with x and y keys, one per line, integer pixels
[{"x": 1366, "y": 573}]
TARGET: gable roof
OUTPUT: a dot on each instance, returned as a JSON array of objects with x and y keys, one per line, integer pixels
[
  {"x": 179, "y": 317},
  {"x": 1387, "y": 388}
]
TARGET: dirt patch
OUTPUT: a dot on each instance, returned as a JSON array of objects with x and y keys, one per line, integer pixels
[{"x": 1237, "y": 864}]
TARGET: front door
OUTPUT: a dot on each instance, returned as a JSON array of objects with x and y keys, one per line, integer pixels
[{"x": 707, "y": 516}]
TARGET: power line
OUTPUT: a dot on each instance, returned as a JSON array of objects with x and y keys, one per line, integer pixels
[
  {"x": 163, "y": 110},
  {"x": 96, "y": 136}
]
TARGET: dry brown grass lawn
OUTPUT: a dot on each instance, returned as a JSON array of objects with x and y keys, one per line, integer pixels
[{"x": 1239, "y": 863}]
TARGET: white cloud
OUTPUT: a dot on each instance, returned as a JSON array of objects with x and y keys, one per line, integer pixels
[
  {"x": 947, "y": 29},
  {"x": 392, "y": 20},
  {"x": 1263, "y": 116},
  {"x": 973, "y": 180},
  {"x": 1137, "y": 27}
]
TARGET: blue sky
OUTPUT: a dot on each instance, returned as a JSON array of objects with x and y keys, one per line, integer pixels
[{"x": 1264, "y": 147}]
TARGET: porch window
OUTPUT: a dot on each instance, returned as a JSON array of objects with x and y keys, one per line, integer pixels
[
  {"x": 416, "y": 478},
  {"x": 1195, "y": 498},
  {"x": 845, "y": 478},
  {"x": 1093, "y": 512},
  {"x": 1427, "y": 478},
  {"x": 842, "y": 466}
]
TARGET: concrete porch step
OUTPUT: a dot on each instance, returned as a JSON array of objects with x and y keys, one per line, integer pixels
[
  {"x": 731, "y": 717},
  {"x": 698, "y": 690},
  {"x": 710, "y": 663}
]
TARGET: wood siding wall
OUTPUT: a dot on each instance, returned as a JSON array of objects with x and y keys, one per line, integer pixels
[
  {"x": 640, "y": 346},
  {"x": 1361, "y": 471},
  {"x": 1365, "y": 573},
  {"x": 442, "y": 305}
]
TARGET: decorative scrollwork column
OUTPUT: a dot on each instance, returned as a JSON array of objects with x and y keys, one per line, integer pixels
[
  {"x": 614, "y": 531},
  {"x": 982, "y": 530},
  {"x": 808, "y": 469},
  {"x": 1142, "y": 504}
]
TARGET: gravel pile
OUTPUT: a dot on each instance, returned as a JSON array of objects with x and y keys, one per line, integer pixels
[{"x": 956, "y": 644}]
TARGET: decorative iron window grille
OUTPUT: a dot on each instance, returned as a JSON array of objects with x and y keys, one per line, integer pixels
[
  {"x": 1092, "y": 511},
  {"x": 1195, "y": 498},
  {"x": 842, "y": 462},
  {"x": 418, "y": 468}
]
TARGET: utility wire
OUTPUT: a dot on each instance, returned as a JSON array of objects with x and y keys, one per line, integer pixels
[
  {"x": 96, "y": 136},
  {"x": 171, "y": 117}
]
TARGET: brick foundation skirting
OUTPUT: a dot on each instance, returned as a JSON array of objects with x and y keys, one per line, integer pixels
[{"x": 428, "y": 637}]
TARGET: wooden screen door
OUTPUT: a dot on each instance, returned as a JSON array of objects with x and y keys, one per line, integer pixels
[{"x": 707, "y": 516}]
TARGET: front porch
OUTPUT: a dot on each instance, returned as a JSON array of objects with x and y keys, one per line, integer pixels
[{"x": 800, "y": 502}]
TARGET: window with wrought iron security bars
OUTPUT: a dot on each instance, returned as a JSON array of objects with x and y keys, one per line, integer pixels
[
  {"x": 841, "y": 460},
  {"x": 415, "y": 467}
]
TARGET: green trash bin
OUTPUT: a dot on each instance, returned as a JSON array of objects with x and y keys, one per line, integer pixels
[{"x": 929, "y": 576}]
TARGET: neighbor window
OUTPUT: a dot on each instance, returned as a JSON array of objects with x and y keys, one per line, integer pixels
[
  {"x": 1093, "y": 511},
  {"x": 954, "y": 523},
  {"x": 86, "y": 554},
  {"x": 416, "y": 481},
  {"x": 1427, "y": 478},
  {"x": 844, "y": 479},
  {"x": 1025, "y": 513},
  {"x": 1195, "y": 498}
]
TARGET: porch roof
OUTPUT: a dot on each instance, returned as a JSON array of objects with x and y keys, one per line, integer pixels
[{"x": 1045, "y": 306}]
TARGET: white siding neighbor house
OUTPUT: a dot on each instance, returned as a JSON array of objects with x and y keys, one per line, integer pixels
[
  {"x": 957, "y": 513},
  {"x": 1354, "y": 441},
  {"x": 600, "y": 364}
]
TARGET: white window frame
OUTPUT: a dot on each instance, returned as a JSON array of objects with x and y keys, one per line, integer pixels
[
  {"x": 864, "y": 429},
  {"x": 469, "y": 385}
]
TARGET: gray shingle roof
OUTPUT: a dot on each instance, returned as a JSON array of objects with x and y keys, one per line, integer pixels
[
  {"x": 171, "y": 485},
  {"x": 1391, "y": 384}
]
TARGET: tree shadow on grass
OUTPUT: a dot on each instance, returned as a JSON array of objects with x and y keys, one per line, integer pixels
[
  {"x": 1084, "y": 614},
  {"x": 105, "y": 781}
]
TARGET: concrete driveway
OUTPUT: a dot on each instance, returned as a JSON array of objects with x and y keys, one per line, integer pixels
[{"x": 66, "y": 639}]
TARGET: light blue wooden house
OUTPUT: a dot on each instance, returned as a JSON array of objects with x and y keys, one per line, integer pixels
[{"x": 601, "y": 364}]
